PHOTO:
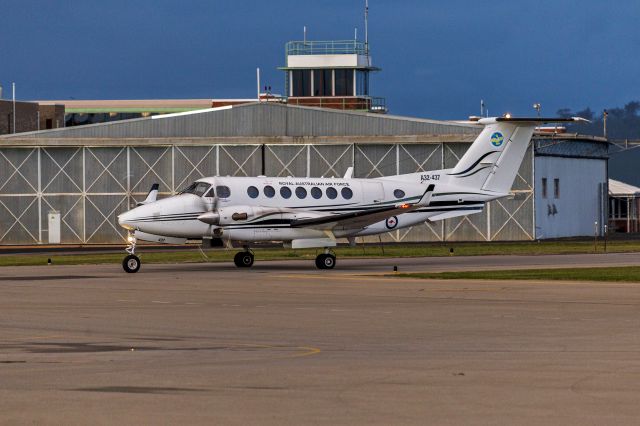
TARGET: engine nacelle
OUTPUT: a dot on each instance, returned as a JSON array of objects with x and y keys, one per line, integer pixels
[
  {"x": 237, "y": 214},
  {"x": 231, "y": 215}
]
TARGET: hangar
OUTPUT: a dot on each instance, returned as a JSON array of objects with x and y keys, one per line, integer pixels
[{"x": 68, "y": 185}]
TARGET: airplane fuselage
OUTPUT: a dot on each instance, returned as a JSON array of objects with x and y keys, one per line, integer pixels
[{"x": 265, "y": 208}]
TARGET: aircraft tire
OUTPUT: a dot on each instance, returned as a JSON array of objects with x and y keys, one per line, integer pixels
[
  {"x": 325, "y": 261},
  {"x": 131, "y": 263},
  {"x": 243, "y": 259},
  {"x": 329, "y": 261}
]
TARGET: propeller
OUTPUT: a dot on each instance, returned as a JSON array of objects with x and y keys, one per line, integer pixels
[{"x": 211, "y": 217}]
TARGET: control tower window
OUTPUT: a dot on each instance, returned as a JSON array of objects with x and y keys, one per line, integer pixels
[
  {"x": 344, "y": 82},
  {"x": 301, "y": 83},
  {"x": 322, "y": 83},
  {"x": 362, "y": 83}
]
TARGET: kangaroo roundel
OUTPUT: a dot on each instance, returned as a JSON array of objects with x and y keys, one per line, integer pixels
[{"x": 497, "y": 139}]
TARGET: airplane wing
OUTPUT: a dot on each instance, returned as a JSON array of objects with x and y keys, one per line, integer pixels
[{"x": 362, "y": 218}]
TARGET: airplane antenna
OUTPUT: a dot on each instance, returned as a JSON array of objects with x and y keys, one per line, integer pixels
[{"x": 366, "y": 26}]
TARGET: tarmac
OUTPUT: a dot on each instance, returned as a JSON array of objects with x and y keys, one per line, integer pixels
[{"x": 285, "y": 343}]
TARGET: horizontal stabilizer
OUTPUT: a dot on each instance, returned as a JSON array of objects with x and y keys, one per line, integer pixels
[{"x": 492, "y": 120}]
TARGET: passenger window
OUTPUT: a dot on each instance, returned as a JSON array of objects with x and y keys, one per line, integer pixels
[
  {"x": 316, "y": 192},
  {"x": 285, "y": 192},
  {"x": 332, "y": 193},
  {"x": 223, "y": 191},
  {"x": 301, "y": 192},
  {"x": 269, "y": 191},
  {"x": 347, "y": 193},
  {"x": 253, "y": 192},
  {"x": 398, "y": 193}
]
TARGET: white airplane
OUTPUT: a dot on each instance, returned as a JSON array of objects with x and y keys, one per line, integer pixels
[{"x": 314, "y": 212}]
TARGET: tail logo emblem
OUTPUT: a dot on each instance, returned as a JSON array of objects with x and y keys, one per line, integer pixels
[{"x": 497, "y": 139}]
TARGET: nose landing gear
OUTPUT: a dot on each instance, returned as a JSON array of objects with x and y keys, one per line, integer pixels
[{"x": 131, "y": 263}]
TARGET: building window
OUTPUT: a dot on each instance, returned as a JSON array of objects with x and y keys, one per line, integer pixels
[
  {"x": 301, "y": 192},
  {"x": 618, "y": 208},
  {"x": 344, "y": 82},
  {"x": 556, "y": 188},
  {"x": 322, "y": 83},
  {"x": 362, "y": 83},
  {"x": 316, "y": 192},
  {"x": 285, "y": 192},
  {"x": 332, "y": 193},
  {"x": 269, "y": 191},
  {"x": 347, "y": 193},
  {"x": 544, "y": 187},
  {"x": 253, "y": 192},
  {"x": 301, "y": 84}
]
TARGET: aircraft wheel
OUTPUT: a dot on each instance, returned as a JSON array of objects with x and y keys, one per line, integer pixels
[
  {"x": 131, "y": 263},
  {"x": 243, "y": 259},
  {"x": 325, "y": 261}
]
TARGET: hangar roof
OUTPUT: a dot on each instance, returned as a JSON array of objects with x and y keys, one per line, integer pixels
[
  {"x": 258, "y": 119},
  {"x": 621, "y": 189}
]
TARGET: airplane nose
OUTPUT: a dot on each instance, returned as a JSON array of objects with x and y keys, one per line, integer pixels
[{"x": 126, "y": 220}]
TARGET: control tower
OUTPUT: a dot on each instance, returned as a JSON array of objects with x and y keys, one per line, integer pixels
[{"x": 330, "y": 74}]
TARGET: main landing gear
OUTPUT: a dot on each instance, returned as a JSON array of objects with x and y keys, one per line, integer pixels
[
  {"x": 326, "y": 260},
  {"x": 244, "y": 259},
  {"x": 131, "y": 263}
]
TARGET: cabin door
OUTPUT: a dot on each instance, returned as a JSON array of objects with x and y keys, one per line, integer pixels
[{"x": 373, "y": 192}]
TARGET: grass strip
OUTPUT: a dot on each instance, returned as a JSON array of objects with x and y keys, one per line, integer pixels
[
  {"x": 367, "y": 251},
  {"x": 617, "y": 274}
]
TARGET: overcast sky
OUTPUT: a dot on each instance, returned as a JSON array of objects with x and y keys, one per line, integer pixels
[{"x": 438, "y": 58}]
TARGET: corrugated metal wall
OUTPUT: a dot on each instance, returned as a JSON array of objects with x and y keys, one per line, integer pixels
[
  {"x": 91, "y": 185},
  {"x": 260, "y": 119}
]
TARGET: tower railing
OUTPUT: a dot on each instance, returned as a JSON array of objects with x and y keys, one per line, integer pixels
[{"x": 333, "y": 47}]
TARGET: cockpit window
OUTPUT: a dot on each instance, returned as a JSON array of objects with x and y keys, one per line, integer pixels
[
  {"x": 210, "y": 193},
  {"x": 223, "y": 191},
  {"x": 196, "y": 188}
]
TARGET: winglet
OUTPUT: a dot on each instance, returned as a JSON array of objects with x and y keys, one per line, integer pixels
[
  {"x": 152, "y": 195},
  {"x": 349, "y": 173},
  {"x": 426, "y": 197}
]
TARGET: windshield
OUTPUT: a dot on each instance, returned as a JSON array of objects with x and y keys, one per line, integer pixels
[{"x": 196, "y": 188}]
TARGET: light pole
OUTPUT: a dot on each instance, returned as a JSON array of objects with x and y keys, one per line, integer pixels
[
  {"x": 604, "y": 121},
  {"x": 13, "y": 87},
  {"x": 537, "y": 107}
]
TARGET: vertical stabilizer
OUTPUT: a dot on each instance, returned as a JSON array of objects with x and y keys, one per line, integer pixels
[{"x": 493, "y": 160}]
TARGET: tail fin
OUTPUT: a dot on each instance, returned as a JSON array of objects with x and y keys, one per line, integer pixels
[{"x": 493, "y": 160}]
